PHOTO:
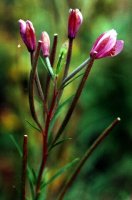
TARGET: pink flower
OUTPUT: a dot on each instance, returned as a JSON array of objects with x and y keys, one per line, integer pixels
[
  {"x": 74, "y": 22},
  {"x": 28, "y": 34},
  {"x": 107, "y": 45},
  {"x": 45, "y": 46}
]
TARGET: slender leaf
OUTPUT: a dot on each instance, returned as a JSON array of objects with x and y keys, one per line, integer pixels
[
  {"x": 61, "y": 171},
  {"x": 62, "y": 54},
  {"x": 49, "y": 67},
  {"x": 43, "y": 63},
  {"x": 60, "y": 142},
  {"x": 34, "y": 127},
  {"x": 16, "y": 144}
]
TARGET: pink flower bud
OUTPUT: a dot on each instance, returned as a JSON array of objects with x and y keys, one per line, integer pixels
[
  {"x": 107, "y": 45},
  {"x": 28, "y": 34},
  {"x": 74, "y": 22},
  {"x": 45, "y": 46}
]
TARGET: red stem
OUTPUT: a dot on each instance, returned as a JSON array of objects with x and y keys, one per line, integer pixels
[
  {"x": 45, "y": 147},
  {"x": 87, "y": 154}
]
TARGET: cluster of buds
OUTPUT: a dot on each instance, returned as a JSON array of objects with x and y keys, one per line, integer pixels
[{"x": 106, "y": 44}]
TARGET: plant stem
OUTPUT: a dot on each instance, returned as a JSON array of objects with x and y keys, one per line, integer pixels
[
  {"x": 80, "y": 67},
  {"x": 45, "y": 149},
  {"x": 86, "y": 156},
  {"x": 52, "y": 59},
  {"x": 68, "y": 59},
  {"x": 31, "y": 88},
  {"x": 50, "y": 69},
  {"x": 74, "y": 101},
  {"x": 43, "y": 163},
  {"x": 24, "y": 167},
  {"x": 37, "y": 81}
]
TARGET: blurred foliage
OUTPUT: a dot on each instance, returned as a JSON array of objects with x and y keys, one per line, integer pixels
[{"x": 108, "y": 94}]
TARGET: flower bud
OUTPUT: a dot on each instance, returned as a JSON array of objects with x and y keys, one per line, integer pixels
[
  {"x": 107, "y": 45},
  {"x": 45, "y": 46},
  {"x": 28, "y": 34},
  {"x": 74, "y": 22}
]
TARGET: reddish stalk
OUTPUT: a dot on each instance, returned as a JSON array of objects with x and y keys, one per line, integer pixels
[
  {"x": 68, "y": 59},
  {"x": 24, "y": 167},
  {"x": 66, "y": 68},
  {"x": 31, "y": 87},
  {"x": 88, "y": 153},
  {"x": 45, "y": 147}
]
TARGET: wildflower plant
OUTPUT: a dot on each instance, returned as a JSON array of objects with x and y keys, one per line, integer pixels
[{"x": 57, "y": 79}]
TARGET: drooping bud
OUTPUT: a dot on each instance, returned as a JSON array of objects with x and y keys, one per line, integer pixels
[
  {"x": 107, "y": 45},
  {"x": 74, "y": 22},
  {"x": 28, "y": 34},
  {"x": 45, "y": 46}
]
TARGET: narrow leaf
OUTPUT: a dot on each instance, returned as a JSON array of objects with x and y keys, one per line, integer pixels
[
  {"x": 62, "y": 54},
  {"x": 60, "y": 142},
  {"x": 16, "y": 144},
  {"x": 34, "y": 127},
  {"x": 43, "y": 63},
  {"x": 61, "y": 171},
  {"x": 49, "y": 67}
]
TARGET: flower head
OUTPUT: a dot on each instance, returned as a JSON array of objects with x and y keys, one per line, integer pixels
[
  {"x": 74, "y": 22},
  {"x": 28, "y": 34},
  {"x": 107, "y": 45},
  {"x": 45, "y": 46}
]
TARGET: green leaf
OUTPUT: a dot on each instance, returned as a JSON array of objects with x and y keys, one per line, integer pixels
[
  {"x": 62, "y": 54},
  {"x": 16, "y": 144},
  {"x": 32, "y": 175},
  {"x": 60, "y": 172},
  {"x": 43, "y": 63},
  {"x": 34, "y": 127},
  {"x": 49, "y": 67},
  {"x": 60, "y": 142}
]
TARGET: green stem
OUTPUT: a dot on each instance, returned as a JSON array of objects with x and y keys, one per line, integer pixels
[
  {"x": 52, "y": 60},
  {"x": 70, "y": 76},
  {"x": 49, "y": 67},
  {"x": 86, "y": 156},
  {"x": 24, "y": 167}
]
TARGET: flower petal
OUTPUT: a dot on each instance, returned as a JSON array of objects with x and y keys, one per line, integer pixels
[
  {"x": 116, "y": 49},
  {"x": 22, "y": 24},
  {"x": 104, "y": 43},
  {"x": 74, "y": 22}
]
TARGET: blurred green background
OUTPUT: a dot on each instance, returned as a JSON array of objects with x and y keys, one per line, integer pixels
[{"x": 108, "y": 94}]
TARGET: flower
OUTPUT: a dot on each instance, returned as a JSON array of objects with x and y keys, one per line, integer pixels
[
  {"x": 107, "y": 45},
  {"x": 74, "y": 22},
  {"x": 45, "y": 46},
  {"x": 28, "y": 34}
]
